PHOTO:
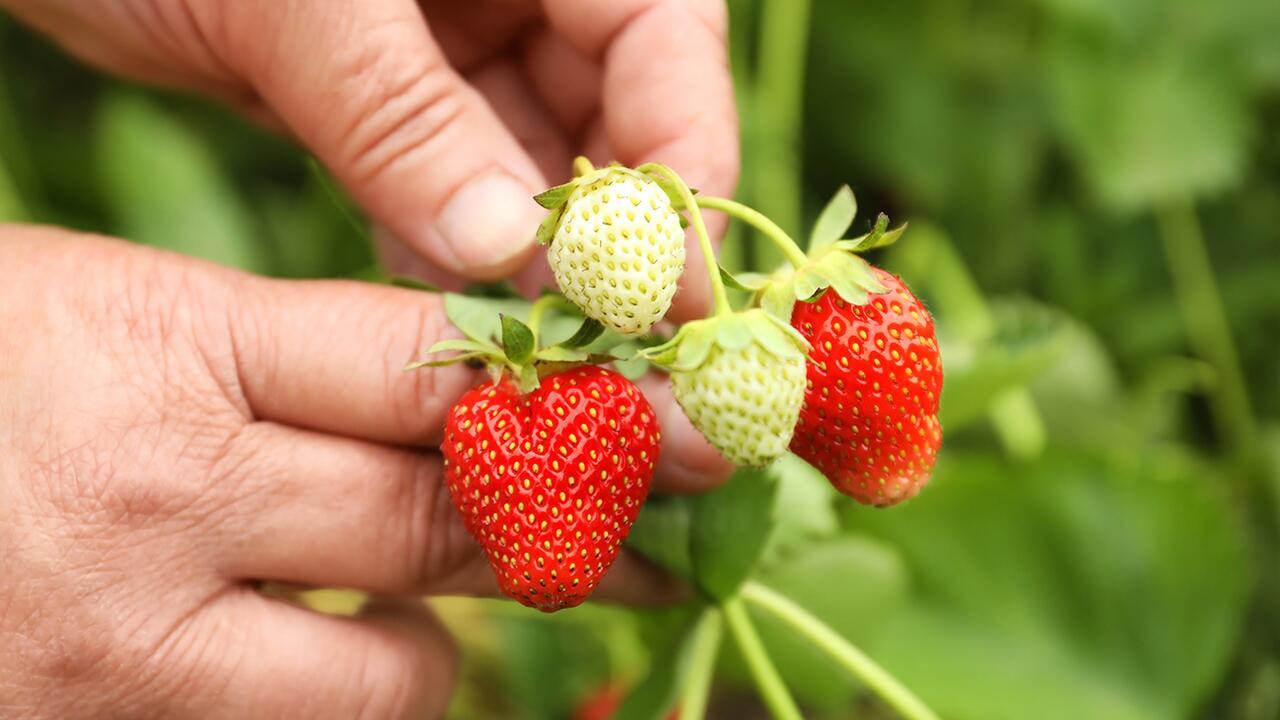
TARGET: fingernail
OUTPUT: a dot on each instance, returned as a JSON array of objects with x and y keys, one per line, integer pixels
[{"x": 489, "y": 224}]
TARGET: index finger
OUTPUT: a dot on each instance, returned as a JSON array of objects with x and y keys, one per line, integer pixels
[
  {"x": 668, "y": 92},
  {"x": 667, "y": 97}
]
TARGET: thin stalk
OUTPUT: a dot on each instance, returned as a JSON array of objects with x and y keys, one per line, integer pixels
[
  {"x": 784, "y": 33},
  {"x": 582, "y": 166},
  {"x": 771, "y": 230},
  {"x": 702, "y": 664},
  {"x": 772, "y": 689},
  {"x": 538, "y": 310},
  {"x": 718, "y": 292},
  {"x": 895, "y": 694},
  {"x": 1206, "y": 321}
]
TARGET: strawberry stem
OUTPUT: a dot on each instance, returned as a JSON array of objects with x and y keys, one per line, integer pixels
[
  {"x": 582, "y": 166},
  {"x": 779, "y": 237},
  {"x": 768, "y": 681},
  {"x": 893, "y": 692},
  {"x": 538, "y": 310},
  {"x": 1205, "y": 319},
  {"x": 718, "y": 292},
  {"x": 703, "y": 651}
]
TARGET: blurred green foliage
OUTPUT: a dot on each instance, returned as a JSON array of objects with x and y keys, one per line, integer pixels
[{"x": 1094, "y": 191}]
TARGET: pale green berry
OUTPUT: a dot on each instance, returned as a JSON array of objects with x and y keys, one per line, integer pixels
[
  {"x": 618, "y": 251},
  {"x": 744, "y": 401}
]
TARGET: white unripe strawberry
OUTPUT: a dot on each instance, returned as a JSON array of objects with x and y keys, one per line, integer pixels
[
  {"x": 745, "y": 401},
  {"x": 618, "y": 249},
  {"x": 740, "y": 379}
]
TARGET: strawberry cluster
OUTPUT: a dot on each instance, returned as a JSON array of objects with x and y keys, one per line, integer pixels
[{"x": 832, "y": 359}]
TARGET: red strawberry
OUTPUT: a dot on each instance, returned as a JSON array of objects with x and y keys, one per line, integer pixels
[
  {"x": 870, "y": 416},
  {"x": 550, "y": 482}
]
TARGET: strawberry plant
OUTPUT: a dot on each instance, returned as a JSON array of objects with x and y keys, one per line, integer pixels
[{"x": 549, "y": 461}]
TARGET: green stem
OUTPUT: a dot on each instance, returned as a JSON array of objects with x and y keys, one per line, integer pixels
[
  {"x": 538, "y": 310},
  {"x": 718, "y": 292},
  {"x": 779, "y": 237},
  {"x": 1206, "y": 321},
  {"x": 894, "y": 693},
  {"x": 702, "y": 664},
  {"x": 770, "y": 684},
  {"x": 582, "y": 166},
  {"x": 784, "y": 31}
]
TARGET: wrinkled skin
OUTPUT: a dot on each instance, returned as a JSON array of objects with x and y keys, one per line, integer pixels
[
  {"x": 442, "y": 117},
  {"x": 172, "y": 432}
]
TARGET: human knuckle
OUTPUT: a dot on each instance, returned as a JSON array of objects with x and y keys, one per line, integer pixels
[{"x": 400, "y": 107}]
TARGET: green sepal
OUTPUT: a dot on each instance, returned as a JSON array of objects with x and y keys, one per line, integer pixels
[
  {"x": 834, "y": 219},
  {"x": 415, "y": 284},
  {"x": 692, "y": 345},
  {"x": 467, "y": 349},
  {"x": 456, "y": 359},
  {"x": 557, "y": 196},
  {"x": 547, "y": 228},
  {"x": 779, "y": 298},
  {"x": 517, "y": 340},
  {"x": 880, "y": 236},
  {"x": 527, "y": 378},
  {"x": 670, "y": 188},
  {"x": 586, "y": 334},
  {"x": 748, "y": 281},
  {"x": 561, "y": 354}
]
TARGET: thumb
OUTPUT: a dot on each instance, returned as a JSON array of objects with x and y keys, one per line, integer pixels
[{"x": 365, "y": 86}]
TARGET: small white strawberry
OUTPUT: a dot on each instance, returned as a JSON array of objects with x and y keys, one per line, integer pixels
[
  {"x": 740, "y": 378},
  {"x": 616, "y": 247}
]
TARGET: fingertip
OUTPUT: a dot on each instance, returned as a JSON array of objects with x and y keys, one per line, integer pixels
[{"x": 486, "y": 230}]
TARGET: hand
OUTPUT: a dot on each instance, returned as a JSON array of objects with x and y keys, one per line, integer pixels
[
  {"x": 443, "y": 118},
  {"x": 173, "y": 431}
]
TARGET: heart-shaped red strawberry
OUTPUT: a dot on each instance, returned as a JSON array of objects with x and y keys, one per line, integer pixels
[
  {"x": 549, "y": 482},
  {"x": 870, "y": 416}
]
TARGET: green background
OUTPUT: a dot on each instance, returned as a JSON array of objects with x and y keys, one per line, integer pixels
[{"x": 1093, "y": 188}]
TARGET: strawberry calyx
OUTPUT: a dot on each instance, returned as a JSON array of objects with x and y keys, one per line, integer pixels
[
  {"x": 556, "y": 199},
  {"x": 690, "y": 347},
  {"x": 832, "y": 262},
  {"x": 517, "y": 353}
]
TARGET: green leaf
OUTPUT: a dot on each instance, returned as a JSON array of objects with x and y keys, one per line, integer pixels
[
  {"x": 1147, "y": 128},
  {"x": 728, "y": 530},
  {"x": 1028, "y": 340},
  {"x": 804, "y": 511},
  {"x": 164, "y": 187},
  {"x": 835, "y": 218},
  {"x": 586, "y": 334},
  {"x": 556, "y": 196},
  {"x": 517, "y": 340},
  {"x": 661, "y": 534},
  {"x": 1120, "y": 595}
]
